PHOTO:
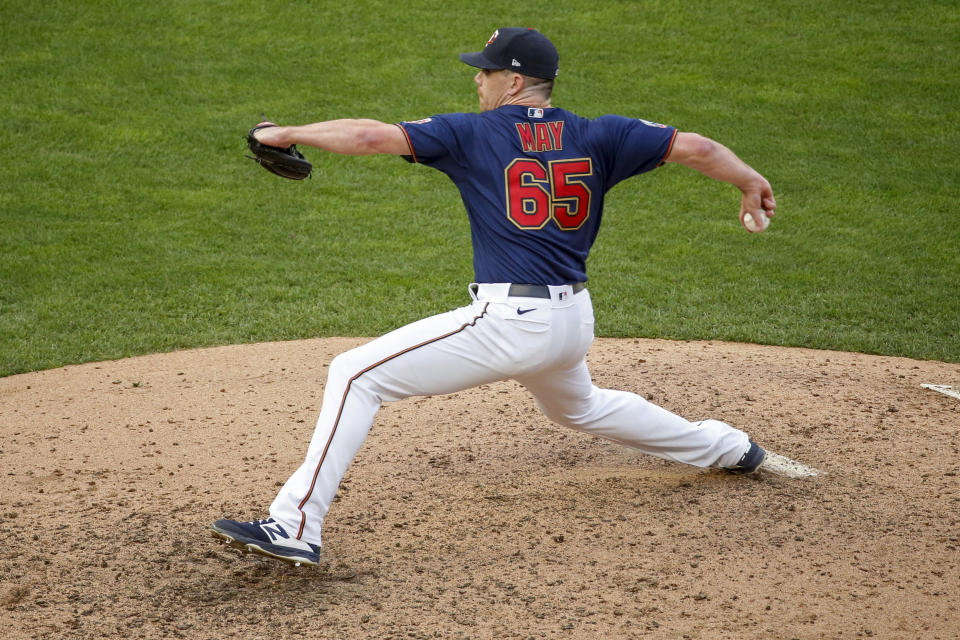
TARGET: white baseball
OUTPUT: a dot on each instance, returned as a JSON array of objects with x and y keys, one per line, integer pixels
[{"x": 755, "y": 223}]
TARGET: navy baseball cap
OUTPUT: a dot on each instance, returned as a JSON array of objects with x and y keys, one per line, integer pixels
[{"x": 526, "y": 51}]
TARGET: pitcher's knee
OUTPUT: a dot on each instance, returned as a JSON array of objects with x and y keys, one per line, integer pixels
[
  {"x": 341, "y": 368},
  {"x": 347, "y": 371},
  {"x": 578, "y": 417},
  {"x": 597, "y": 411}
]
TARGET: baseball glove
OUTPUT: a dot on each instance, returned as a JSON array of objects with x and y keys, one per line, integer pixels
[{"x": 286, "y": 163}]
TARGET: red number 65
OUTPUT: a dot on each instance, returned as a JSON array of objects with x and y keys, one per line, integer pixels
[{"x": 537, "y": 194}]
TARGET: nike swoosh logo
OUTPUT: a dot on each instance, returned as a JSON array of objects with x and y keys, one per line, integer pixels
[{"x": 520, "y": 312}]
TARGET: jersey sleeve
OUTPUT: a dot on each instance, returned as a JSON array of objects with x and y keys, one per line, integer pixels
[
  {"x": 633, "y": 146},
  {"x": 438, "y": 140}
]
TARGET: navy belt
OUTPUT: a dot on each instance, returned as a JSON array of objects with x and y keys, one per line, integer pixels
[{"x": 539, "y": 290}]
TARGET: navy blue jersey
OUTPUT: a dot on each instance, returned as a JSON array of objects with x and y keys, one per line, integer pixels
[{"x": 533, "y": 182}]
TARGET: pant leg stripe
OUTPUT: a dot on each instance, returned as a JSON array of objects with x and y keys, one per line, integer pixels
[{"x": 343, "y": 401}]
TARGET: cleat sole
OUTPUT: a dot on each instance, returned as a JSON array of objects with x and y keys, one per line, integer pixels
[{"x": 247, "y": 547}]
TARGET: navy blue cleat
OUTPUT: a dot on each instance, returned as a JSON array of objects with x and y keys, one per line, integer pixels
[
  {"x": 750, "y": 461},
  {"x": 268, "y": 538}
]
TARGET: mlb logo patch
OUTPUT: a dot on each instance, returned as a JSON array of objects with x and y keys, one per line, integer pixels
[{"x": 534, "y": 112}]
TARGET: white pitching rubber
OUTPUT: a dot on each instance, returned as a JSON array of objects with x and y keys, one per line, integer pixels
[
  {"x": 945, "y": 389},
  {"x": 783, "y": 466}
]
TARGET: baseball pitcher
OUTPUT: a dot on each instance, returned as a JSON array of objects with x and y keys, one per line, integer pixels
[{"x": 533, "y": 178}]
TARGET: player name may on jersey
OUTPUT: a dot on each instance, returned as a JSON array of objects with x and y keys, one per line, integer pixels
[{"x": 541, "y": 136}]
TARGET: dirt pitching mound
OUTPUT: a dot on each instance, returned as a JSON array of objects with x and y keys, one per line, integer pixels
[{"x": 471, "y": 515}]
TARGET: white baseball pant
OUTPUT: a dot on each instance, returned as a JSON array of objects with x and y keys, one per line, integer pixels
[{"x": 541, "y": 343}]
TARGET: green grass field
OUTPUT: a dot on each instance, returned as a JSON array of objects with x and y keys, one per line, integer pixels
[{"x": 131, "y": 222}]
